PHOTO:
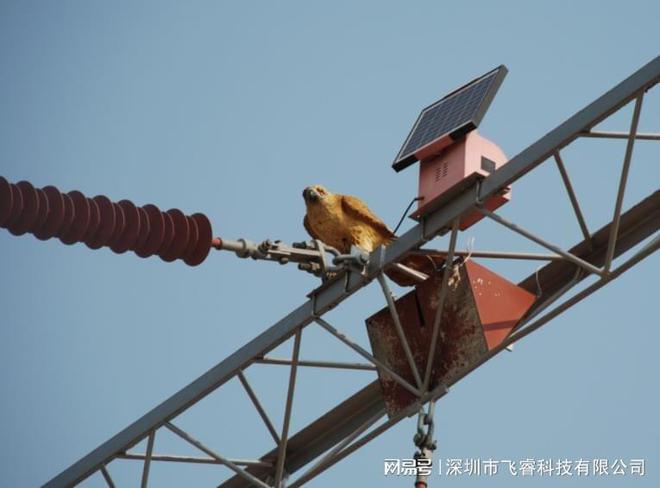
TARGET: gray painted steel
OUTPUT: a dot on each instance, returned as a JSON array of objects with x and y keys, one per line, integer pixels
[
  {"x": 327, "y": 298},
  {"x": 637, "y": 224}
]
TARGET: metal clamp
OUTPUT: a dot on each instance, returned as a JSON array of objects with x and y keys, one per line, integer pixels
[
  {"x": 425, "y": 443},
  {"x": 311, "y": 256},
  {"x": 424, "y": 437}
]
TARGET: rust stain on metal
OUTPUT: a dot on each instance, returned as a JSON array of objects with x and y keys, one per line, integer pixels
[{"x": 480, "y": 309}]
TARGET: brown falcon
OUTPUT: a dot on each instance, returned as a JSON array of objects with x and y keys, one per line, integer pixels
[{"x": 342, "y": 220}]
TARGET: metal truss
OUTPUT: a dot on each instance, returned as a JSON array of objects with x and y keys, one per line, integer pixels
[{"x": 360, "y": 418}]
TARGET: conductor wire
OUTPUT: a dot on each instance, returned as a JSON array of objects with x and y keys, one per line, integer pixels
[{"x": 405, "y": 212}]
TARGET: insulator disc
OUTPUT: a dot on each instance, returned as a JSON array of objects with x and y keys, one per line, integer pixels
[
  {"x": 98, "y": 222},
  {"x": 69, "y": 212},
  {"x": 120, "y": 224},
  {"x": 204, "y": 238},
  {"x": 30, "y": 211},
  {"x": 169, "y": 233},
  {"x": 16, "y": 206},
  {"x": 192, "y": 238},
  {"x": 55, "y": 215},
  {"x": 156, "y": 234},
  {"x": 180, "y": 239},
  {"x": 145, "y": 228},
  {"x": 131, "y": 228},
  {"x": 106, "y": 228},
  {"x": 6, "y": 199},
  {"x": 94, "y": 220},
  {"x": 80, "y": 222},
  {"x": 43, "y": 211}
]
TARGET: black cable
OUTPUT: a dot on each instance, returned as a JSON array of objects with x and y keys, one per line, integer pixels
[{"x": 405, "y": 212}]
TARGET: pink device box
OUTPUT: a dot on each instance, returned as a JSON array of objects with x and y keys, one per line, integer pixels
[{"x": 447, "y": 173}]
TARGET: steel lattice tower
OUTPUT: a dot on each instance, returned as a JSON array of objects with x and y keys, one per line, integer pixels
[{"x": 297, "y": 457}]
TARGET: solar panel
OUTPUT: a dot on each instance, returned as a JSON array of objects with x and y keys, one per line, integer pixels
[{"x": 450, "y": 117}]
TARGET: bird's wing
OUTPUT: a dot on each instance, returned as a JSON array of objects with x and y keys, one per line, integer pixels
[
  {"x": 309, "y": 228},
  {"x": 358, "y": 209}
]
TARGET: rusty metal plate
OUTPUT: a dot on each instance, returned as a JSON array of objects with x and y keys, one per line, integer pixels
[{"x": 462, "y": 341}]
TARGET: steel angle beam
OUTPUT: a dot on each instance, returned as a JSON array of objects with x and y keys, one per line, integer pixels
[
  {"x": 594, "y": 113},
  {"x": 324, "y": 299},
  {"x": 637, "y": 224},
  {"x": 322, "y": 434}
]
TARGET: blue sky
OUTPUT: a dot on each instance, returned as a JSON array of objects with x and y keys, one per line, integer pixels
[{"x": 231, "y": 109}]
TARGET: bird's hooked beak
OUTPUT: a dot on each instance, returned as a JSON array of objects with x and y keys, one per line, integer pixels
[{"x": 310, "y": 195}]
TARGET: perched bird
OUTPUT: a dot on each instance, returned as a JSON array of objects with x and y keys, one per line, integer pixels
[{"x": 343, "y": 220}]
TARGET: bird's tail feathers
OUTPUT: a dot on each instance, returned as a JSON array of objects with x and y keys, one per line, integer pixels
[{"x": 426, "y": 263}]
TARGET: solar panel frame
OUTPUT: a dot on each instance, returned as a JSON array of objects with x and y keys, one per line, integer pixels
[{"x": 470, "y": 121}]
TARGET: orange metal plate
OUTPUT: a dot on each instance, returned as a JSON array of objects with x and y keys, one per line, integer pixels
[
  {"x": 499, "y": 302},
  {"x": 480, "y": 309}
]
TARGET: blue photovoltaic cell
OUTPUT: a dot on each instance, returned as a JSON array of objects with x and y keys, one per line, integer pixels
[{"x": 450, "y": 113}]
